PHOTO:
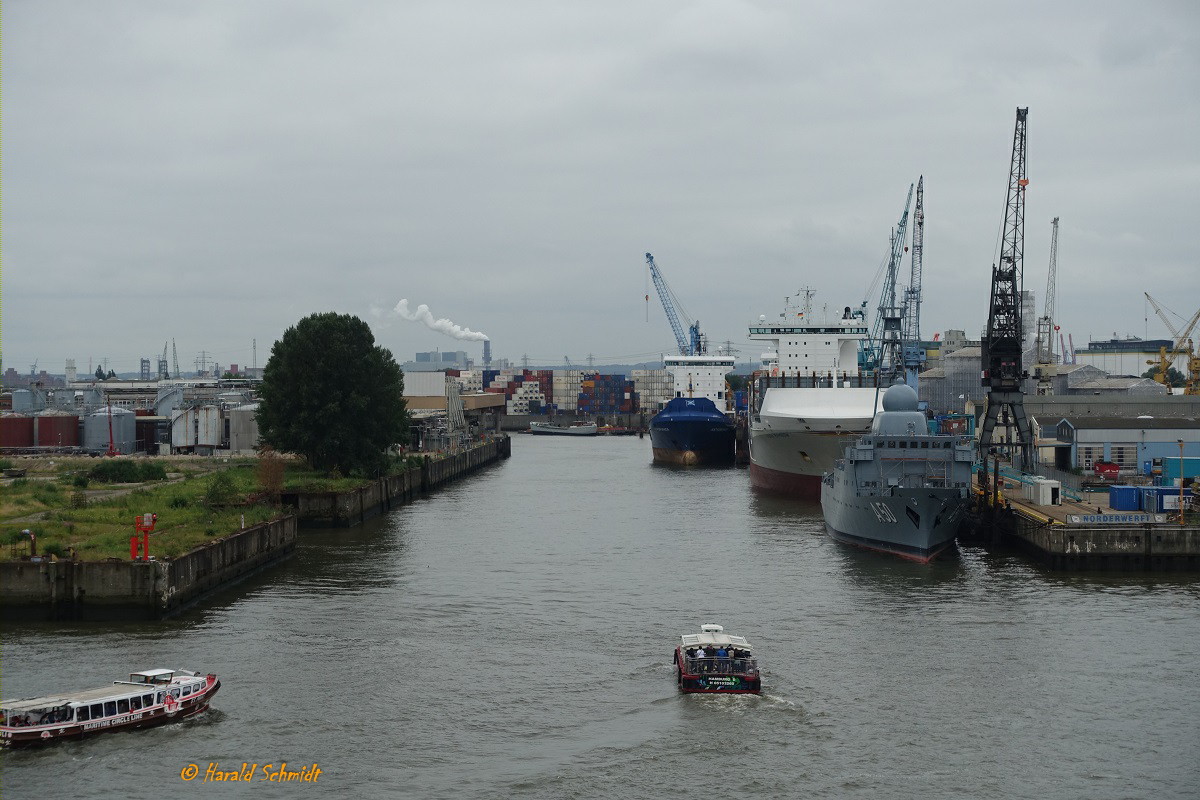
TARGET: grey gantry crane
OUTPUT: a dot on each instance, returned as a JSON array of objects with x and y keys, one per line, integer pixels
[{"x": 1002, "y": 369}]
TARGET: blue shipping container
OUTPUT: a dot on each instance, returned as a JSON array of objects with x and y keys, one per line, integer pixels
[
  {"x": 1158, "y": 499},
  {"x": 1124, "y": 498}
]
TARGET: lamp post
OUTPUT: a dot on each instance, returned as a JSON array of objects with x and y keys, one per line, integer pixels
[{"x": 1181, "y": 482}]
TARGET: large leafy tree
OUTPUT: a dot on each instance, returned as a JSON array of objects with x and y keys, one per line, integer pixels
[{"x": 331, "y": 394}]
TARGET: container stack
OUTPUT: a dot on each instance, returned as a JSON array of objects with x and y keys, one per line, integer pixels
[
  {"x": 654, "y": 387},
  {"x": 607, "y": 394},
  {"x": 566, "y": 385}
]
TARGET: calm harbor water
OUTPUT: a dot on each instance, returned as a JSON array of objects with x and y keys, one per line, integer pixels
[{"x": 511, "y": 636}]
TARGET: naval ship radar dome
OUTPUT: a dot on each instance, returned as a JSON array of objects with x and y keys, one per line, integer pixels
[{"x": 900, "y": 397}]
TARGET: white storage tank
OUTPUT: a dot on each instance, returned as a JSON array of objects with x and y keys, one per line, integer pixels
[
  {"x": 124, "y": 430},
  {"x": 210, "y": 427},
  {"x": 243, "y": 427}
]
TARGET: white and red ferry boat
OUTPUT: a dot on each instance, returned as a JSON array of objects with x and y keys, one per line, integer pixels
[
  {"x": 717, "y": 662},
  {"x": 153, "y": 697}
]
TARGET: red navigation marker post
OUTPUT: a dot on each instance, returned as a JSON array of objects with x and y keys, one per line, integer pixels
[{"x": 143, "y": 525}]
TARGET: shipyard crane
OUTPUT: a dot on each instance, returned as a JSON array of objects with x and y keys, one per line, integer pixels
[
  {"x": 1001, "y": 350},
  {"x": 914, "y": 355},
  {"x": 691, "y": 343},
  {"x": 1183, "y": 346},
  {"x": 1178, "y": 334},
  {"x": 883, "y": 345},
  {"x": 1046, "y": 357}
]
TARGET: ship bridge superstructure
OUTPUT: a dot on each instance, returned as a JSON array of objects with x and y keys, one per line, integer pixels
[{"x": 806, "y": 343}]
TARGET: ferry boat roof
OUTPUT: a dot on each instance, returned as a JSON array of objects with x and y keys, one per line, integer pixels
[
  {"x": 118, "y": 689},
  {"x": 714, "y": 635}
]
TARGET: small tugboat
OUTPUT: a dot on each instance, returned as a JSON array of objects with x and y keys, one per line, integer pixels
[
  {"x": 153, "y": 697},
  {"x": 717, "y": 662}
]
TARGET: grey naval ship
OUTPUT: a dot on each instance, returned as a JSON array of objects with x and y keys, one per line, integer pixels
[{"x": 899, "y": 489}]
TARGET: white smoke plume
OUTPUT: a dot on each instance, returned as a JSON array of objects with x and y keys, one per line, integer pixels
[{"x": 442, "y": 325}]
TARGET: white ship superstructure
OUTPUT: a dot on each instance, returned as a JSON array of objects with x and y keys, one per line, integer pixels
[
  {"x": 810, "y": 399},
  {"x": 700, "y": 376}
]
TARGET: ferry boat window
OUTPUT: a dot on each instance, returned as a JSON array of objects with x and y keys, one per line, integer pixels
[
  {"x": 82, "y": 715},
  {"x": 924, "y": 445},
  {"x": 175, "y": 692},
  {"x": 110, "y": 708},
  {"x": 147, "y": 700},
  {"x": 903, "y": 444},
  {"x": 123, "y": 706},
  {"x": 160, "y": 699},
  {"x": 135, "y": 704},
  {"x": 892, "y": 444},
  {"x": 97, "y": 711}
]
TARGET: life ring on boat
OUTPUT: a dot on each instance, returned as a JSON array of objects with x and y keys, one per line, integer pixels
[
  {"x": 774, "y": 372},
  {"x": 171, "y": 705},
  {"x": 46, "y": 734}
]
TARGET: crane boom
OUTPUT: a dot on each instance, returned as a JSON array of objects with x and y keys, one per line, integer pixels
[
  {"x": 884, "y": 340},
  {"x": 914, "y": 356},
  {"x": 690, "y": 343},
  {"x": 1180, "y": 335}
]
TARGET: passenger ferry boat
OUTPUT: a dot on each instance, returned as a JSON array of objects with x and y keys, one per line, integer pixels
[
  {"x": 153, "y": 697},
  {"x": 700, "y": 667}
]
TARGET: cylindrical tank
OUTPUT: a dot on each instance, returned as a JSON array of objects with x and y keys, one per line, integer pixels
[
  {"x": 56, "y": 429},
  {"x": 124, "y": 430},
  {"x": 16, "y": 430},
  {"x": 22, "y": 400},
  {"x": 243, "y": 427}
]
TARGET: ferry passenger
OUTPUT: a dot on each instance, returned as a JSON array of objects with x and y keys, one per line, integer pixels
[
  {"x": 701, "y": 654},
  {"x": 723, "y": 655}
]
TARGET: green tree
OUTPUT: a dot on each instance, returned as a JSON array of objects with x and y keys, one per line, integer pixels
[
  {"x": 1174, "y": 377},
  {"x": 330, "y": 394}
]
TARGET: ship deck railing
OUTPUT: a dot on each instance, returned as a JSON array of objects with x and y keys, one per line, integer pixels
[{"x": 720, "y": 666}]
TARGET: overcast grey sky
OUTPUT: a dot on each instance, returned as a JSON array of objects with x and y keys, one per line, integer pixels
[{"x": 212, "y": 172}]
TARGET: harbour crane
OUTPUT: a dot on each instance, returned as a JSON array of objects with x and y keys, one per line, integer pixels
[
  {"x": 883, "y": 346},
  {"x": 1178, "y": 334},
  {"x": 691, "y": 343},
  {"x": 1046, "y": 357},
  {"x": 1001, "y": 350},
  {"x": 1183, "y": 346},
  {"x": 914, "y": 354}
]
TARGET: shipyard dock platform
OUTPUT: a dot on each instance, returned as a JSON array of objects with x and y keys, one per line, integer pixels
[{"x": 1082, "y": 532}]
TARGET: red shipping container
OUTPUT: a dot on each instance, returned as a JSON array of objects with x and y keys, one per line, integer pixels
[
  {"x": 16, "y": 431},
  {"x": 54, "y": 430}
]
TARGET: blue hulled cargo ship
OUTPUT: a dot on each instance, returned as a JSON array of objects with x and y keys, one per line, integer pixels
[{"x": 692, "y": 431}]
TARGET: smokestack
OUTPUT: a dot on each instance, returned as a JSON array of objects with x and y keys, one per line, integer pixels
[{"x": 487, "y": 353}]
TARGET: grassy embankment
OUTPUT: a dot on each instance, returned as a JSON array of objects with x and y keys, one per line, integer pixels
[{"x": 89, "y": 505}]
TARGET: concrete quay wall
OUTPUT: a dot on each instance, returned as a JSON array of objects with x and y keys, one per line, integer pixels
[
  {"x": 1155, "y": 548},
  {"x": 118, "y": 589},
  {"x": 353, "y": 507}
]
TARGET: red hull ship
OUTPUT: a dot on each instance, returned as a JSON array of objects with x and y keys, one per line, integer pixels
[
  {"x": 154, "y": 697},
  {"x": 714, "y": 662}
]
